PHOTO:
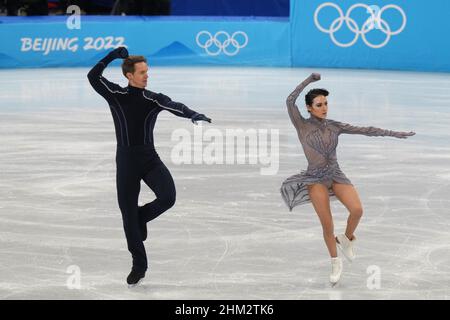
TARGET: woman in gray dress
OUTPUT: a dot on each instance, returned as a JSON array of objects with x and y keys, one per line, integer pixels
[{"x": 323, "y": 178}]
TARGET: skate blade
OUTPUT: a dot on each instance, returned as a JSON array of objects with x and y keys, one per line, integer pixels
[
  {"x": 334, "y": 284},
  {"x": 130, "y": 286}
]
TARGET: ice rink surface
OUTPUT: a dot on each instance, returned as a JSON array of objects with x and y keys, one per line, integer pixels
[{"x": 229, "y": 236}]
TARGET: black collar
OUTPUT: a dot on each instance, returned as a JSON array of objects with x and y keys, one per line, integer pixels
[{"x": 132, "y": 89}]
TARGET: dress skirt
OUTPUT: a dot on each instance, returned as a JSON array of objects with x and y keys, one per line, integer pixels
[{"x": 294, "y": 189}]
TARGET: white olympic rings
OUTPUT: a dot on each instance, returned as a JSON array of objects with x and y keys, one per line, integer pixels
[
  {"x": 374, "y": 21},
  {"x": 222, "y": 46}
]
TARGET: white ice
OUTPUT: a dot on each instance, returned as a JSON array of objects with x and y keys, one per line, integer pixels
[{"x": 229, "y": 236}]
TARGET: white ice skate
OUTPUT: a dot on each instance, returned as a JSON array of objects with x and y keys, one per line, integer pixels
[
  {"x": 336, "y": 270},
  {"x": 346, "y": 246}
]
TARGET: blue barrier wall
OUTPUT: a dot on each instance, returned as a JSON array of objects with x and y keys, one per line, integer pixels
[
  {"x": 388, "y": 34},
  {"x": 394, "y": 34},
  {"x": 48, "y": 42}
]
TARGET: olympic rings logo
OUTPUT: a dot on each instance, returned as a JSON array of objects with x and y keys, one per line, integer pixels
[
  {"x": 222, "y": 42},
  {"x": 375, "y": 21}
]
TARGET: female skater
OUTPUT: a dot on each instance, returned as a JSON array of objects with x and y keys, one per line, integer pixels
[{"x": 323, "y": 178}]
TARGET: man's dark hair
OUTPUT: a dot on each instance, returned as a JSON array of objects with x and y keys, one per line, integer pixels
[
  {"x": 313, "y": 94},
  {"x": 128, "y": 63}
]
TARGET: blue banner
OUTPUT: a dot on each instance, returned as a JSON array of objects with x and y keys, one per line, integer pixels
[
  {"x": 376, "y": 34},
  {"x": 384, "y": 34},
  {"x": 52, "y": 41}
]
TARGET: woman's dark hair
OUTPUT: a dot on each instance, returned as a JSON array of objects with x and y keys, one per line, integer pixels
[
  {"x": 128, "y": 63},
  {"x": 313, "y": 94}
]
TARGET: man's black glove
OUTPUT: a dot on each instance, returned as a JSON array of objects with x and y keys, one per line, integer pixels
[
  {"x": 199, "y": 117},
  {"x": 119, "y": 53}
]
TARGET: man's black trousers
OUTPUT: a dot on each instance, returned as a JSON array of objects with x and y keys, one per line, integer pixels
[{"x": 136, "y": 163}]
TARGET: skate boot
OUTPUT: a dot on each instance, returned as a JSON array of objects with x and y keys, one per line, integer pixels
[
  {"x": 346, "y": 246},
  {"x": 135, "y": 277},
  {"x": 336, "y": 270}
]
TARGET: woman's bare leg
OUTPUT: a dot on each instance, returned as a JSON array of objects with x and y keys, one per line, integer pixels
[
  {"x": 347, "y": 194},
  {"x": 321, "y": 203}
]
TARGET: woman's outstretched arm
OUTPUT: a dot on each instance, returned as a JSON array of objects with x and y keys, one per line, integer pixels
[
  {"x": 372, "y": 131},
  {"x": 294, "y": 113}
]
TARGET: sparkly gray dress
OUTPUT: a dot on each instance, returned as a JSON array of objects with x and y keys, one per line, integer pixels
[{"x": 319, "y": 139}]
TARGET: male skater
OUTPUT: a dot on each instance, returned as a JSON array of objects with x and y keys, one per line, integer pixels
[{"x": 134, "y": 110}]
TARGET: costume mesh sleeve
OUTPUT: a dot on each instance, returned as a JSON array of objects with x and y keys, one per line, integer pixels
[
  {"x": 367, "y": 131},
  {"x": 294, "y": 113}
]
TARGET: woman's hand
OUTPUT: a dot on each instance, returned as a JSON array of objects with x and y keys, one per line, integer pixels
[
  {"x": 314, "y": 77},
  {"x": 404, "y": 135}
]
